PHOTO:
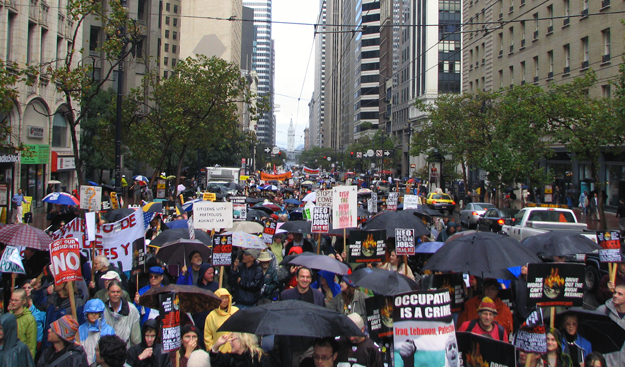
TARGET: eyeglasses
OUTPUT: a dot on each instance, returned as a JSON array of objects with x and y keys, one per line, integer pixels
[
  {"x": 321, "y": 358},
  {"x": 155, "y": 276}
]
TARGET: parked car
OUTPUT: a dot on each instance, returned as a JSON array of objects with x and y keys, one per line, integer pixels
[
  {"x": 441, "y": 202},
  {"x": 493, "y": 219},
  {"x": 471, "y": 213}
]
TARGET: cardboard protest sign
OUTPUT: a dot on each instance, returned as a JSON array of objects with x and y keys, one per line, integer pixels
[
  {"x": 212, "y": 215},
  {"x": 367, "y": 246},
  {"x": 138, "y": 256},
  {"x": 372, "y": 203},
  {"x": 91, "y": 198},
  {"x": 555, "y": 284},
  {"x": 610, "y": 241},
  {"x": 11, "y": 261},
  {"x": 65, "y": 260},
  {"x": 239, "y": 208},
  {"x": 269, "y": 231},
  {"x": 324, "y": 198},
  {"x": 450, "y": 282},
  {"x": 379, "y": 316},
  {"x": 161, "y": 186},
  {"x": 344, "y": 207},
  {"x": 404, "y": 241},
  {"x": 320, "y": 219},
  {"x": 411, "y": 202},
  {"x": 423, "y": 329},
  {"x": 114, "y": 201},
  {"x": 392, "y": 200},
  {"x": 477, "y": 350},
  {"x": 222, "y": 250},
  {"x": 531, "y": 336},
  {"x": 170, "y": 311},
  {"x": 113, "y": 240}
]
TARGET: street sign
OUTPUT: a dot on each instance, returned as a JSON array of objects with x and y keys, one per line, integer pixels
[
  {"x": 358, "y": 154},
  {"x": 388, "y": 153},
  {"x": 379, "y": 152},
  {"x": 267, "y": 150},
  {"x": 275, "y": 150},
  {"x": 370, "y": 153},
  {"x": 329, "y": 159}
]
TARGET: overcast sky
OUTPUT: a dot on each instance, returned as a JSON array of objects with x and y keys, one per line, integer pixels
[{"x": 293, "y": 45}]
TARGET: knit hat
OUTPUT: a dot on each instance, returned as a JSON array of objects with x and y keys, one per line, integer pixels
[
  {"x": 357, "y": 319},
  {"x": 189, "y": 328},
  {"x": 295, "y": 250},
  {"x": 65, "y": 327},
  {"x": 487, "y": 304}
]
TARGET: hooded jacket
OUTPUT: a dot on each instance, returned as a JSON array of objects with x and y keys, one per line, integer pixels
[
  {"x": 212, "y": 286},
  {"x": 215, "y": 319},
  {"x": 329, "y": 277},
  {"x": 90, "y": 334},
  {"x": 125, "y": 322},
  {"x": 158, "y": 359},
  {"x": 77, "y": 357},
  {"x": 614, "y": 358},
  {"x": 55, "y": 312},
  {"x": 247, "y": 291},
  {"x": 13, "y": 352},
  {"x": 27, "y": 330}
]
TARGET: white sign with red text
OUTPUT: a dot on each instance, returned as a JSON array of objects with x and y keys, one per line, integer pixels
[{"x": 65, "y": 260}]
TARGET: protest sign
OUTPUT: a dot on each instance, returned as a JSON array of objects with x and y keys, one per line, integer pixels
[
  {"x": 138, "y": 258},
  {"x": 531, "y": 337},
  {"x": 114, "y": 200},
  {"x": 209, "y": 196},
  {"x": 379, "y": 316},
  {"x": 451, "y": 282},
  {"x": 404, "y": 241},
  {"x": 170, "y": 311},
  {"x": 91, "y": 198},
  {"x": 423, "y": 329},
  {"x": 391, "y": 202},
  {"x": 610, "y": 241},
  {"x": 367, "y": 246},
  {"x": 344, "y": 207},
  {"x": 239, "y": 208},
  {"x": 11, "y": 261},
  {"x": 161, "y": 191},
  {"x": 113, "y": 240},
  {"x": 372, "y": 203},
  {"x": 555, "y": 284},
  {"x": 212, "y": 215},
  {"x": 411, "y": 202},
  {"x": 269, "y": 231},
  {"x": 222, "y": 250},
  {"x": 477, "y": 350},
  {"x": 320, "y": 220},
  {"x": 65, "y": 260},
  {"x": 324, "y": 198}
]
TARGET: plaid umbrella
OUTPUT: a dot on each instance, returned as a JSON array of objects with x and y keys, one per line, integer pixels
[{"x": 25, "y": 235}]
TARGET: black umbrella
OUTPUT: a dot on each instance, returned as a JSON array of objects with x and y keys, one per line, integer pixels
[
  {"x": 297, "y": 226},
  {"x": 362, "y": 212},
  {"x": 118, "y": 214},
  {"x": 481, "y": 254},
  {"x": 557, "y": 243},
  {"x": 174, "y": 234},
  {"x": 177, "y": 251},
  {"x": 253, "y": 213},
  {"x": 320, "y": 262},
  {"x": 292, "y": 318},
  {"x": 382, "y": 281},
  {"x": 287, "y": 259},
  {"x": 264, "y": 208},
  {"x": 254, "y": 200},
  {"x": 605, "y": 335},
  {"x": 192, "y": 299},
  {"x": 390, "y": 220},
  {"x": 339, "y": 232},
  {"x": 426, "y": 210}
]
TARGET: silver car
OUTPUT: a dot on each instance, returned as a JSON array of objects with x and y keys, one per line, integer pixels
[{"x": 471, "y": 213}]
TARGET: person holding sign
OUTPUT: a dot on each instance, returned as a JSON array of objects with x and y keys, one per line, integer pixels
[
  {"x": 503, "y": 316},
  {"x": 615, "y": 308},
  {"x": 396, "y": 263},
  {"x": 57, "y": 304},
  {"x": 607, "y": 287},
  {"x": 485, "y": 324},
  {"x": 156, "y": 280}
]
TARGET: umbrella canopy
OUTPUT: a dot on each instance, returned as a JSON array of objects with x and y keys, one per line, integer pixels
[
  {"x": 293, "y": 201},
  {"x": 118, "y": 214},
  {"x": 428, "y": 247},
  {"x": 308, "y": 182},
  {"x": 174, "y": 234},
  {"x": 310, "y": 197},
  {"x": 271, "y": 206},
  {"x": 170, "y": 177},
  {"x": 177, "y": 251},
  {"x": 362, "y": 212},
  {"x": 599, "y": 329},
  {"x": 556, "y": 243},
  {"x": 297, "y": 226},
  {"x": 389, "y": 220},
  {"x": 178, "y": 223},
  {"x": 188, "y": 206},
  {"x": 141, "y": 178},
  {"x": 481, "y": 254},
  {"x": 192, "y": 299},
  {"x": 247, "y": 227},
  {"x": 425, "y": 210},
  {"x": 264, "y": 208},
  {"x": 460, "y": 234},
  {"x": 382, "y": 281},
  {"x": 255, "y": 213},
  {"x": 153, "y": 207},
  {"x": 320, "y": 262},
  {"x": 292, "y": 318},
  {"x": 61, "y": 198},
  {"x": 93, "y": 183},
  {"x": 270, "y": 187},
  {"x": 24, "y": 235},
  {"x": 254, "y": 200},
  {"x": 54, "y": 182},
  {"x": 246, "y": 240}
]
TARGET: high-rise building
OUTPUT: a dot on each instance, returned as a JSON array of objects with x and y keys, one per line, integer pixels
[
  {"x": 318, "y": 103},
  {"x": 263, "y": 63},
  {"x": 291, "y": 138}
]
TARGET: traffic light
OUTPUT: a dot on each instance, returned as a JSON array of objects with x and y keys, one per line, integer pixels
[
  {"x": 351, "y": 154},
  {"x": 325, "y": 157}
]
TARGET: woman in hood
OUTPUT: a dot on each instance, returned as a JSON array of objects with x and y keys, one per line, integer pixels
[
  {"x": 216, "y": 318},
  {"x": 13, "y": 352},
  {"x": 329, "y": 287},
  {"x": 148, "y": 353},
  {"x": 206, "y": 277},
  {"x": 94, "y": 328}
]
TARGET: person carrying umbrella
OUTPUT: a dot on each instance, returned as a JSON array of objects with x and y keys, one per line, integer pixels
[
  {"x": 191, "y": 276},
  {"x": 447, "y": 232},
  {"x": 148, "y": 353},
  {"x": 577, "y": 346},
  {"x": 156, "y": 280},
  {"x": 502, "y": 314},
  {"x": 359, "y": 350},
  {"x": 615, "y": 308},
  {"x": 485, "y": 323},
  {"x": 246, "y": 279}
]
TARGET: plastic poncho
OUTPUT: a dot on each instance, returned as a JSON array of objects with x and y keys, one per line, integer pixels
[
  {"x": 215, "y": 319},
  {"x": 13, "y": 352}
]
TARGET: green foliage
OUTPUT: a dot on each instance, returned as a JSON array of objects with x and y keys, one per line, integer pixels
[{"x": 375, "y": 142}]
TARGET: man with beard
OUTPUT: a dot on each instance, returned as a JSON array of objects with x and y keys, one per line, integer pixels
[{"x": 148, "y": 353}]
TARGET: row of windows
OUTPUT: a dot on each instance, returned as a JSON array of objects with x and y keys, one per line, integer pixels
[
  {"x": 174, "y": 48},
  {"x": 166, "y": 62},
  {"x": 168, "y": 8},
  {"x": 174, "y": 34},
  {"x": 175, "y": 21}
]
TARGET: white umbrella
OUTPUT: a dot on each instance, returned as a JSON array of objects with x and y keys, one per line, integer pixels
[
  {"x": 246, "y": 240},
  {"x": 310, "y": 197},
  {"x": 247, "y": 227}
]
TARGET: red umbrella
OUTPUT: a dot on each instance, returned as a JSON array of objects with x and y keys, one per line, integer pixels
[
  {"x": 273, "y": 207},
  {"x": 25, "y": 235}
]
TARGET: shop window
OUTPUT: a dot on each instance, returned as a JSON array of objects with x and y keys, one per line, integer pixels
[{"x": 59, "y": 131}]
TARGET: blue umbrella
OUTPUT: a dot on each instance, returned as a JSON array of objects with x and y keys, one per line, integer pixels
[
  {"x": 141, "y": 178},
  {"x": 188, "y": 206},
  {"x": 179, "y": 223},
  {"x": 293, "y": 201},
  {"x": 61, "y": 198},
  {"x": 92, "y": 183},
  {"x": 428, "y": 247}
]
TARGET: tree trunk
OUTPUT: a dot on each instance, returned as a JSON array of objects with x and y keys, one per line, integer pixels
[
  {"x": 599, "y": 189},
  {"x": 75, "y": 148},
  {"x": 158, "y": 167},
  {"x": 184, "y": 150}
]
